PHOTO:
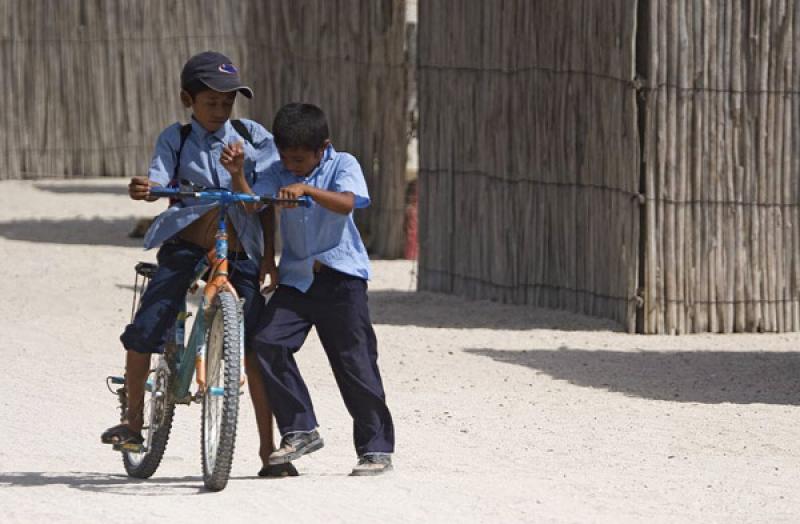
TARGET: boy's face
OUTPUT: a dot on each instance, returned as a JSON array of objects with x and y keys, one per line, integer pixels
[
  {"x": 211, "y": 108},
  {"x": 299, "y": 160}
]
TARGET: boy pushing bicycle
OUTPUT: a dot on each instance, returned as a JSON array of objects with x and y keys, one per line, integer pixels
[
  {"x": 323, "y": 284},
  {"x": 191, "y": 156}
]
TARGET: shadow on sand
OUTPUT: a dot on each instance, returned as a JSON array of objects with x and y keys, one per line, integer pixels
[
  {"x": 83, "y": 188},
  {"x": 105, "y": 483},
  {"x": 85, "y": 231},
  {"x": 707, "y": 377},
  {"x": 433, "y": 310}
]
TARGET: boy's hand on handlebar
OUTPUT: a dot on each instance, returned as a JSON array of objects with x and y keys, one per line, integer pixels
[
  {"x": 292, "y": 192},
  {"x": 139, "y": 188},
  {"x": 232, "y": 158}
]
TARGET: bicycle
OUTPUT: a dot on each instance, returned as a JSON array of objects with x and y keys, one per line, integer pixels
[{"x": 214, "y": 354}]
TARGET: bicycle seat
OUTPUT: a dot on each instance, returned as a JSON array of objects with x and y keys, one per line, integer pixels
[{"x": 146, "y": 269}]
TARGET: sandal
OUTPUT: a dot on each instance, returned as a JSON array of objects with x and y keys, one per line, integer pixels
[
  {"x": 279, "y": 470},
  {"x": 121, "y": 435}
]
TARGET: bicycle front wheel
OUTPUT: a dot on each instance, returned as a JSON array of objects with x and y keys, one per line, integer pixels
[{"x": 221, "y": 398}]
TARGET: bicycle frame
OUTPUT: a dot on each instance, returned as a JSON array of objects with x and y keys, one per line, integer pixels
[
  {"x": 219, "y": 329},
  {"x": 216, "y": 264},
  {"x": 190, "y": 356}
]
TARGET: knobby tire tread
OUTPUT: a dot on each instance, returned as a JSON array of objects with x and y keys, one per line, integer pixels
[{"x": 218, "y": 478}]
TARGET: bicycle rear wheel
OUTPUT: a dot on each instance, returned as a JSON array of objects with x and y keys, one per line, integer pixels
[
  {"x": 221, "y": 399},
  {"x": 159, "y": 408}
]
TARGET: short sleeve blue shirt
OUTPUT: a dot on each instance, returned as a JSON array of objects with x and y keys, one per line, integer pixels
[
  {"x": 200, "y": 167},
  {"x": 315, "y": 233}
]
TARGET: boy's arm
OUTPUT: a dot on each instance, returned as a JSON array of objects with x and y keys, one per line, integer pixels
[
  {"x": 342, "y": 203},
  {"x": 348, "y": 189},
  {"x": 162, "y": 166},
  {"x": 267, "y": 217},
  {"x": 232, "y": 159}
]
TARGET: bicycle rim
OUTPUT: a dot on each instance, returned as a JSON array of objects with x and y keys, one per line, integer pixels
[{"x": 221, "y": 399}]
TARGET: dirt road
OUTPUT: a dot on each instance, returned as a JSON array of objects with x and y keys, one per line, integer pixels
[{"x": 503, "y": 414}]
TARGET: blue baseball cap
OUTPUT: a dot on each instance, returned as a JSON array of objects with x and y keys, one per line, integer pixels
[{"x": 216, "y": 71}]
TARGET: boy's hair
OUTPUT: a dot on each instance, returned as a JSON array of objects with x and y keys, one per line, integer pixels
[
  {"x": 300, "y": 125},
  {"x": 195, "y": 87}
]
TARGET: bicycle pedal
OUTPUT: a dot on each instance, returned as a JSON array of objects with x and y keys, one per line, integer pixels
[{"x": 130, "y": 447}]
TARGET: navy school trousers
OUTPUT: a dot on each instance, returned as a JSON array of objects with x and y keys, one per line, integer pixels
[
  {"x": 167, "y": 289},
  {"x": 336, "y": 305}
]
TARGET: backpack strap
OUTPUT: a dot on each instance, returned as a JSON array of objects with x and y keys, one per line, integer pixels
[
  {"x": 186, "y": 129},
  {"x": 240, "y": 128}
]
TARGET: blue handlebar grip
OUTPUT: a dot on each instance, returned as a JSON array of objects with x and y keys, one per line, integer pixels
[
  {"x": 164, "y": 191},
  {"x": 303, "y": 201}
]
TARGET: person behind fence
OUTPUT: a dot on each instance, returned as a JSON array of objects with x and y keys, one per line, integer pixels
[
  {"x": 324, "y": 270},
  {"x": 190, "y": 156}
]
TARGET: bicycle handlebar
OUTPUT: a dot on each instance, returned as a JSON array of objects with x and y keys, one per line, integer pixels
[{"x": 227, "y": 196}]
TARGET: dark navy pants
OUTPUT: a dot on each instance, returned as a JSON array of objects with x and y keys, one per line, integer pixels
[
  {"x": 336, "y": 305},
  {"x": 167, "y": 289}
]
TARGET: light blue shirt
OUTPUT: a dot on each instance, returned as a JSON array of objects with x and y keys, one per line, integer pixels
[
  {"x": 316, "y": 233},
  {"x": 200, "y": 167}
]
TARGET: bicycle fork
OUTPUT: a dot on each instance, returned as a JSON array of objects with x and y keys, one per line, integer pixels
[{"x": 200, "y": 360}]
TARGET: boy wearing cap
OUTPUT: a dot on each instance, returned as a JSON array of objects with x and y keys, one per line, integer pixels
[{"x": 192, "y": 156}]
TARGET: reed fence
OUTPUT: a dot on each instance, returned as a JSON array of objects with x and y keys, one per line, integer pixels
[
  {"x": 631, "y": 160},
  {"x": 721, "y": 155},
  {"x": 529, "y": 153},
  {"x": 88, "y": 84}
]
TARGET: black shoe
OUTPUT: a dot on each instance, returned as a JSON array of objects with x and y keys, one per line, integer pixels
[
  {"x": 370, "y": 464},
  {"x": 295, "y": 445},
  {"x": 120, "y": 435},
  {"x": 279, "y": 470}
]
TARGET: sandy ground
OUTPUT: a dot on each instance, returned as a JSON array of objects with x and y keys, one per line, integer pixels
[{"x": 503, "y": 414}]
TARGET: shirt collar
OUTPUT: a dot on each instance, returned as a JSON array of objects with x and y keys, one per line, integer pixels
[{"x": 328, "y": 154}]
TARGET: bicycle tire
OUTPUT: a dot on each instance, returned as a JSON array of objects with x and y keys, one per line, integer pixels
[
  {"x": 159, "y": 410},
  {"x": 220, "y": 412}
]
